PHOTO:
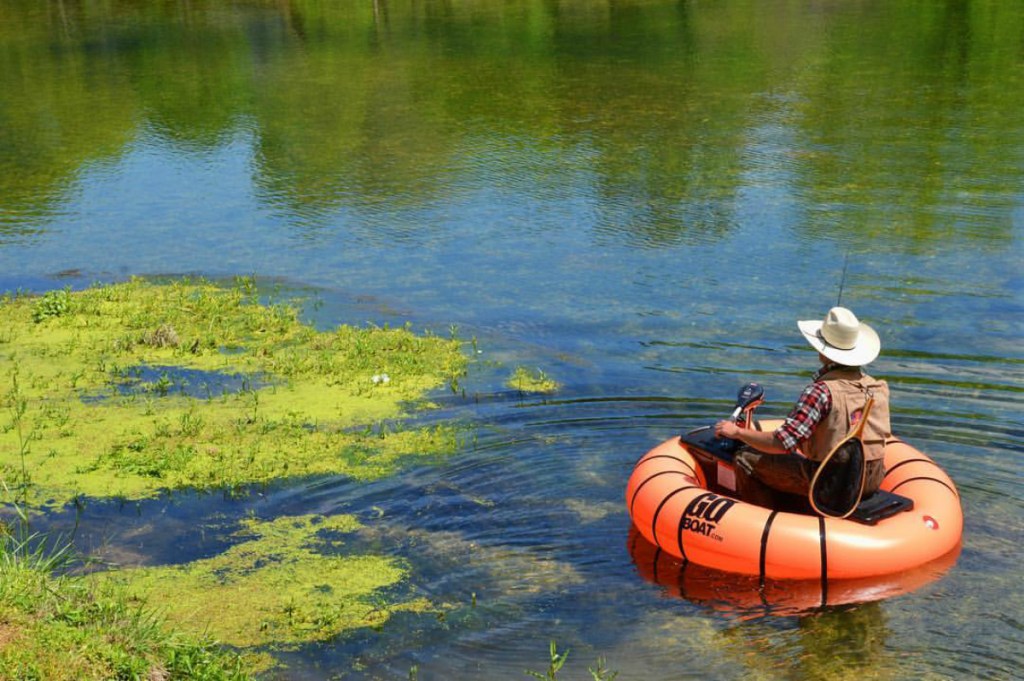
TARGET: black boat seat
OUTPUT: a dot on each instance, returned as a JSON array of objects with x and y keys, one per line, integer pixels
[{"x": 879, "y": 506}]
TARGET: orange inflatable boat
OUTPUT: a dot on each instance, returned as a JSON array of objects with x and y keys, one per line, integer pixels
[
  {"x": 747, "y": 597},
  {"x": 679, "y": 499}
]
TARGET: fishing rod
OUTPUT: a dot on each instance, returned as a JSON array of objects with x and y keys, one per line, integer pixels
[{"x": 842, "y": 281}]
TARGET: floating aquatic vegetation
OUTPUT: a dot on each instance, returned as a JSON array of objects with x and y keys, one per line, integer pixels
[
  {"x": 129, "y": 389},
  {"x": 532, "y": 381},
  {"x": 287, "y": 582},
  {"x": 136, "y": 387}
]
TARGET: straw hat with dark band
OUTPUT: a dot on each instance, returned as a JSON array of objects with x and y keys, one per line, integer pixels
[{"x": 842, "y": 338}]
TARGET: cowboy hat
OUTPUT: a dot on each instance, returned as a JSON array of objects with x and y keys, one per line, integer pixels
[{"x": 842, "y": 338}]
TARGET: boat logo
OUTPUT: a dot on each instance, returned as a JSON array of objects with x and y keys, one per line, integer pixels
[{"x": 704, "y": 513}]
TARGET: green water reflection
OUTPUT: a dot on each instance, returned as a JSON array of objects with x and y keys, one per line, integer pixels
[{"x": 890, "y": 113}]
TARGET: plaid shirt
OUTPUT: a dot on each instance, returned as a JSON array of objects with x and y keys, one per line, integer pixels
[{"x": 813, "y": 404}]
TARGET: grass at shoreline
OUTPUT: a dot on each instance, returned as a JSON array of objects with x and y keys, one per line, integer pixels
[{"x": 57, "y": 627}]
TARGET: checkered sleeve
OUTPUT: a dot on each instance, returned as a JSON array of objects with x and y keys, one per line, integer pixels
[{"x": 814, "y": 403}]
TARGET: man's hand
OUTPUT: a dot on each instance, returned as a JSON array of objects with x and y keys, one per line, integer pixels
[
  {"x": 759, "y": 440},
  {"x": 727, "y": 429}
]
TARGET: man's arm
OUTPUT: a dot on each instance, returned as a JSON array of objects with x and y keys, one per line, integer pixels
[
  {"x": 760, "y": 440},
  {"x": 814, "y": 403}
]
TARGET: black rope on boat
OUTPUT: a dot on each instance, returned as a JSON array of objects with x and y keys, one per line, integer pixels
[
  {"x": 904, "y": 463},
  {"x": 764, "y": 547},
  {"x": 654, "y": 521},
  {"x": 669, "y": 456},
  {"x": 824, "y": 562},
  {"x": 925, "y": 477},
  {"x": 641, "y": 486},
  {"x": 679, "y": 537}
]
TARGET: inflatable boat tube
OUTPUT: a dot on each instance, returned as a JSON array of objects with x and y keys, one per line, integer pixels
[
  {"x": 671, "y": 506},
  {"x": 747, "y": 597}
]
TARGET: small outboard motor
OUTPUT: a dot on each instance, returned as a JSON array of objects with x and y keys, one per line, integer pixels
[
  {"x": 715, "y": 454},
  {"x": 749, "y": 398}
]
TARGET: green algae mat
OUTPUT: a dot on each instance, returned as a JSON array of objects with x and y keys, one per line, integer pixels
[
  {"x": 288, "y": 581},
  {"x": 125, "y": 390},
  {"x": 132, "y": 389}
]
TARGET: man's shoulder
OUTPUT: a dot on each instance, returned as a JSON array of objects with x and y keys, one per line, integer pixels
[{"x": 817, "y": 390}]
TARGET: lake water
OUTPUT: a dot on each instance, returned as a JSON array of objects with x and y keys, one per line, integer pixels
[{"x": 639, "y": 198}]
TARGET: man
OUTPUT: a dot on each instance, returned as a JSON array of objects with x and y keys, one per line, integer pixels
[{"x": 826, "y": 412}]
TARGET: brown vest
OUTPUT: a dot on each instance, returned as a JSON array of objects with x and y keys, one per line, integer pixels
[{"x": 849, "y": 388}]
